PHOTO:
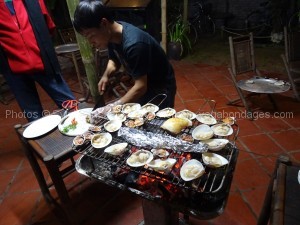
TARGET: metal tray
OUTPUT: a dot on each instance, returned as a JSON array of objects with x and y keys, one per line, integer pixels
[{"x": 263, "y": 85}]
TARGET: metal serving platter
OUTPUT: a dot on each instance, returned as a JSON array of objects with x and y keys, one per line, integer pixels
[
  {"x": 67, "y": 48},
  {"x": 263, "y": 85}
]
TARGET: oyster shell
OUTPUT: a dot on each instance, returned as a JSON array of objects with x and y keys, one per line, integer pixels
[
  {"x": 216, "y": 144},
  {"x": 191, "y": 170},
  {"x": 149, "y": 107},
  {"x": 139, "y": 158},
  {"x": 162, "y": 165},
  {"x": 213, "y": 160},
  {"x": 186, "y": 114},
  {"x": 117, "y": 108},
  {"x": 112, "y": 125},
  {"x": 116, "y": 149},
  {"x": 150, "y": 115},
  {"x": 101, "y": 140},
  {"x": 166, "y": 112},
  {"x": 95, "y": 128},
  {"x": 202, "y": 132},
  {"x": 134, "y": 123},
  {"x": 206, "y": 118},
  {"x": 88, "y": 135},
  {"x": 116, "y": 116},
  {"x": 229, "y": 120},
  {"x": 78, "y": 140},
  {"x": 222, "y": 129},
  {"x": 136, "y": 114},
  {"x": 130, "y": 107},
  {"x": 175, "y": 125},
  {"x": 160, "y": 153}
]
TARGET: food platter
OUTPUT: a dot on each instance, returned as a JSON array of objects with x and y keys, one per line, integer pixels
[
  {"x": 75, "y": 123},
  {"x": 264, "y": 85}
]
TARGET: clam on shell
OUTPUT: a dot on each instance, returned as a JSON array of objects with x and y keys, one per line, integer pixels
[
  {"x": 101, "y": 140},
  {"x": 116, "y": 149},
  {"x": 149, "y": 107},
  {"x": 130, "y": 107},
  {"x": 191, "y": 170},
  {"x": 202, "y": 132},
  {"x": 117, "y": 108},
  {"x": 222, "y": 129},
  {"x": 206, "y": 118},
  {"x": 229, "y": 120},
  {"x": 160, "y": 152},
  {"x": 214, "y": 160},
  {"x": 112, "y": 125},
  {"x": 116, "y": 116},
  {"x": 186, "y": 114},
  {"x": 166, "y": 112},
  {"x": 78, "y": 140},
  {"x": 162, "y": 165},
  {"x": 216, "y": 144},
  {"x": 139, "y": 158}
]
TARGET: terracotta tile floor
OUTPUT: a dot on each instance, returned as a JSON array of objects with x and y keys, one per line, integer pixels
[{"x": 260, "y": 142}]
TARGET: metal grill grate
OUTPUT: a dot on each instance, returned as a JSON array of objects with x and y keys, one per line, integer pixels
[{"x": 211, "y": 182}]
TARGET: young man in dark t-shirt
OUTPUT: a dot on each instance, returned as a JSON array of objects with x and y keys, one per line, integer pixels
[{"x": 139, "y": 53}]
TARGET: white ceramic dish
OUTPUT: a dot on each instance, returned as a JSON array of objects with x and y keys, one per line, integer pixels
[
  {"x": 81, "y": 117},
  {"x": 41, "y": 126}
]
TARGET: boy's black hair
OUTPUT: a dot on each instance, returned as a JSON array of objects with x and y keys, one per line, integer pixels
[{"x": 89, "y": 13}]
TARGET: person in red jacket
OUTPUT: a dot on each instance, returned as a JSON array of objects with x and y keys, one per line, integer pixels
[{"x": 27, "y": 55}]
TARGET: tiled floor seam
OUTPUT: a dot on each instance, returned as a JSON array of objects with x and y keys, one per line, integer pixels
[
  {"x": 247, "y": 203},
  {"x": 11, "y": 181}
]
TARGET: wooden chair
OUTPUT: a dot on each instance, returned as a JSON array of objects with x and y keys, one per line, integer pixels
[
  {"x": 282, "y": 199},
  {"x": 291, "y": 59},
  {"x": 242, "y": 61}
]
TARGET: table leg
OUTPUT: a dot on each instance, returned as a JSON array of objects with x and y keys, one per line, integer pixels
[{"x": 60, "y": 188}]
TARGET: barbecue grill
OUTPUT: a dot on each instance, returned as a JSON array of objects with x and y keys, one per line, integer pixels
[{"x": 204, "y": 197}]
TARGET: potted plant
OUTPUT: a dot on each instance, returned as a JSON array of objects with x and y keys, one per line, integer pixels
[{"x": 179, "y": 41}]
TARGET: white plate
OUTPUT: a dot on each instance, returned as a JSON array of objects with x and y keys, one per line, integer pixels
[
  {"x": 82, "y": 125},
  {"x": 41, "y": 126}
]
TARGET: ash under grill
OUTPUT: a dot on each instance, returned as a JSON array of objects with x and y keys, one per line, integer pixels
[{"x": 206, "y": 193}]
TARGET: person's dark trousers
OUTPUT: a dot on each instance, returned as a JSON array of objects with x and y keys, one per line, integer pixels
[{"x": 24, "y": 88}]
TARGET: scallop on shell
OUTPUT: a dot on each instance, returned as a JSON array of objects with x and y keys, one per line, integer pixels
[
  {"x": 191, "y": 170},
  {"x": 214, "y": 160},
  {"x": 202, "y": 132},
  {"x": 139, "y": 158},
  {"x": 149, "y": 107},
  {"x": 116, "y": 149},
  {"x": 101, "y": 140},
  {"x": 206, "y": 118},
  {"x": 187, "y": 114},
  {"x": 216, "y": 144},
  {"x": 78, "y": 140},
  {"x": 166, "y": 112},
  {"x": 222, "y": 129},
  {"x": 162, "y": 165},
  {"x": 112, "y": 125}
]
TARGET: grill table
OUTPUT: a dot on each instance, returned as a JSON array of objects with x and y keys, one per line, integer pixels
[{"x": 203, "y": 198}]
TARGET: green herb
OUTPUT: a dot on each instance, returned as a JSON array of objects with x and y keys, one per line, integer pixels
[{"x": 66, "y": 129}]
